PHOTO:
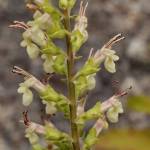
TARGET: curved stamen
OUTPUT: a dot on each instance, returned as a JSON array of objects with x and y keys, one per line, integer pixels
[
  {"x": 20, "y": 71},
  {"x": 19, "y": 24}
]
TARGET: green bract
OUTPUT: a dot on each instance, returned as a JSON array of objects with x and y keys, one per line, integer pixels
[
  {"x": 89, "y": 68},
  {"x": 60, "y": 139},
  {"x": 93, "y": 113},
  {"x": 60, "y": 101}
]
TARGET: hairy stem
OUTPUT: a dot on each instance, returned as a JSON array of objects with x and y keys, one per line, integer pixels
[{"x": 70, "y": 84}]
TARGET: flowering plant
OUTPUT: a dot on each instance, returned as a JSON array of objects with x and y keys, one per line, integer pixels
[{"x": 50, "y": 23}]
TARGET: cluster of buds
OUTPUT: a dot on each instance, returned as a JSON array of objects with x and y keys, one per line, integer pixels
[{"x": 50, "y": 23}]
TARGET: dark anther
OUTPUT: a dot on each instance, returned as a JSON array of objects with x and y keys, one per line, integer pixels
[{"x": 25, "y": 118}]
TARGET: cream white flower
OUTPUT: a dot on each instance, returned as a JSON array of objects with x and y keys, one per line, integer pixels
[
  {"x": 24, "y": 88},
  {"x": 110, "y": 59},
  {"x": 50, "y": 107},
  {"x": 32, "y": 136},
  {"x": 114, "y": 111},
  {"x": 48, "y": 63}
]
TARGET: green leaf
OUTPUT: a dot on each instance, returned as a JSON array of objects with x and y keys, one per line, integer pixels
[
  {"x": 139, "y": 103},
  {"x": 125, "y": 139}
]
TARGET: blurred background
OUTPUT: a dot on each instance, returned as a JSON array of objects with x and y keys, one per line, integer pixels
[{"x": 106, "y": 18}]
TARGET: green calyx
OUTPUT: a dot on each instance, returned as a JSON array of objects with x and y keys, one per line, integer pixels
[
  {"x": 55, "y": 64},
  {"x": 60, "y": 101},
  {"x": 46, "y": 6},
  {"x": 90, "y": 139},
  {"x": 93, "y": 113},
  {"x": 59, "y": 139},
  {"x": 89, "y": 68},
  {"x": 66, "y": 4},
  {"x": 85, "y": 78},
  {"x": 77, "y": 40},
  {"x": 83, "y": 84}
]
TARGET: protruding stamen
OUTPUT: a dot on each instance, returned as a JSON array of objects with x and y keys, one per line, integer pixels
[
  {"x": 20, "y": 71},
  {"x": 112, "y": 100},
  {"x": 19, "y": 24},
  {"x": 91, "y": 52},
  {"x": 117, "y": 38},
  {"x": 123, "y": 93},
  {"x": 82, "y": 10},
  {"x": 85, "y": 8}
]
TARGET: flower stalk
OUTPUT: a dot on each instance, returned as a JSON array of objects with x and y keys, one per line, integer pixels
[{"x": 70, "y": 84}]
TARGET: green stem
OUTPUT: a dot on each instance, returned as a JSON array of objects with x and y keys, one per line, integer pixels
[{"x": 71, "y": 86}]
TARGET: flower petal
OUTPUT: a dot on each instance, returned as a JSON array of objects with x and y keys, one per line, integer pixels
[
  {"x": 110, "y": 65},
  {"x": 27, "y": 98}
]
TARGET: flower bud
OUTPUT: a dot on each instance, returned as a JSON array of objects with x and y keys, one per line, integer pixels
[
  {"x": 48, "y": 63},
  {"x": 33, "y": 51},
  {"x": 47, "y": 7},
  {"x": 66, "y": 4},
  {"x": 41, "y": 21},
  {"x": 50, "y": 107}
]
